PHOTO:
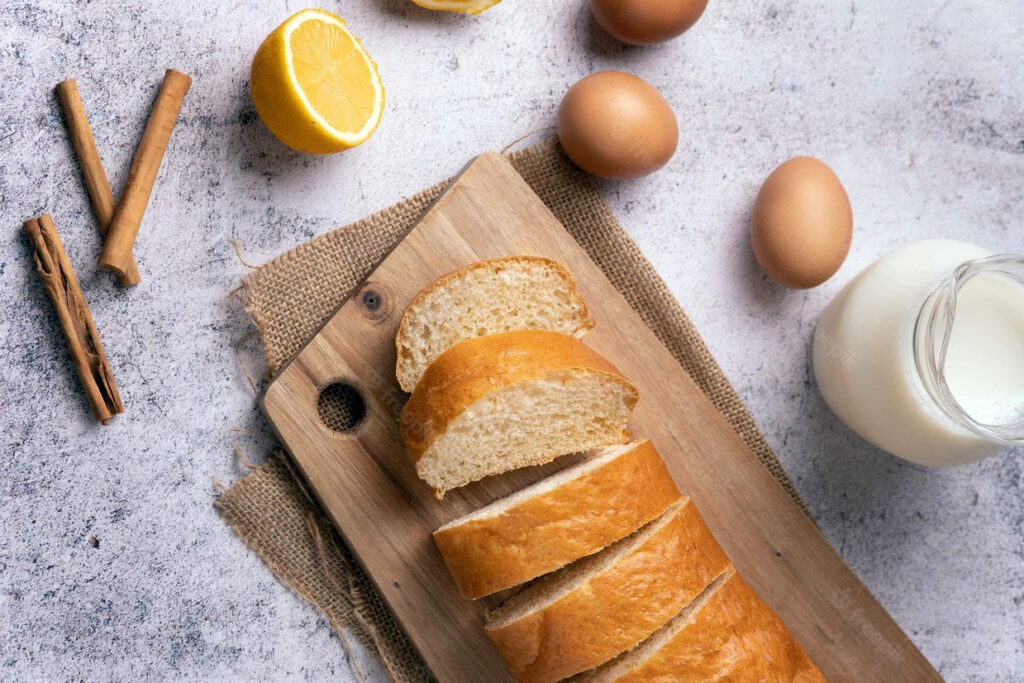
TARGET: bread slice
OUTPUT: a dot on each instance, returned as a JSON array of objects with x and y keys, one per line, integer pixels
[
  {"x": 500, "y": 295},
  {"x": 491, "y": 404},
  {"x": 589, "y": 612},
  {"x": 726, "y": 634},
  {"x": 558, "y": 520}
]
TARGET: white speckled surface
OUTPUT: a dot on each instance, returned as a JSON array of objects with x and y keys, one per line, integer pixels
[{"x": 917, "y": 106}]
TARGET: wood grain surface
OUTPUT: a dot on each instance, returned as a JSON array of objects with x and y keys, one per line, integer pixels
[{"x": 368, "y": 486}]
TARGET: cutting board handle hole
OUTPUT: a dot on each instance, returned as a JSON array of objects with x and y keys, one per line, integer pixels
[{"x": 341, "y": 407}]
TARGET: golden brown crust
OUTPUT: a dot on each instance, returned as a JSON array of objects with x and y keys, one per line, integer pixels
[
  {"x": 401, "y": 337},
  {"x": 476, "y": 367},
  {"x": 547, "y": 531},
  {"x": 733, "y": 637},
  {"x": 616, "y": 608}
]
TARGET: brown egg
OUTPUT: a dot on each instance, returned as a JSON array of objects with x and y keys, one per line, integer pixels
[
  {"x": 802, "y": 223},
  {"x": 643, "y": 22},
  {"x": 615, "y": 125}
]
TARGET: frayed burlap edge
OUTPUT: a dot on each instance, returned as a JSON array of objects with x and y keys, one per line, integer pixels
[
  {"x": 302, "y": 548},
  {"x": 290, "y": 297}
]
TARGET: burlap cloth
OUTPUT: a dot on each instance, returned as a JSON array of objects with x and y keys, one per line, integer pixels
[{"x": 290, "y": 297}]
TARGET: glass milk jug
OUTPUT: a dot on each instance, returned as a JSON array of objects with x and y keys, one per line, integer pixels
[{"x": 922, "y": 353}]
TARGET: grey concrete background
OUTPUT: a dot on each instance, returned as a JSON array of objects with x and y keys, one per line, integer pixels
[{"x": 917, "y": 106}]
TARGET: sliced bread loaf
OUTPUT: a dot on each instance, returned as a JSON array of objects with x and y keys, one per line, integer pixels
[
  {"x": 500, "y": 295},
  {"x": 569, "y": 515},
  {"x": 591, "y": 611},
  {"x": 726, "y": 634},
  {"x": 492, "y": 404}
]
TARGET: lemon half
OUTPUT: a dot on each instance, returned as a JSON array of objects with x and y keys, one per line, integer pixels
[
  {"x": 314, "y": 85},
  {"x": 463, "y": 6}
]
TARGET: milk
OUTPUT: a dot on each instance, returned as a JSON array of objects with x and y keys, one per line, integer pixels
[
  {"x": 985, "y": 357},
  {"x": 864, "y": 361}
]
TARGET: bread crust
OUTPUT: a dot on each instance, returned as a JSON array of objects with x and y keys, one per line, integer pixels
[
  {"x": 547, "y": 531},
  {"x": 477, "y": 367},
  {"x": 735, "y": 637},
  {"x": 618, "y": 607},
  {"x": 402, "y": 340}
]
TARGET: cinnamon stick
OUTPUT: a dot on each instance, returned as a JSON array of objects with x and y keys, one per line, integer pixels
[
  {"x": 124, "y": 228},
  {"x": 75, "y": 320},
  {"x": 95, "y": 177}
]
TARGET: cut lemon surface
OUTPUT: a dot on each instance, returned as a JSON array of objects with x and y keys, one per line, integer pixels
[
  {"x": 464, "y": 6},
  {"x": 314, "y": 85}
]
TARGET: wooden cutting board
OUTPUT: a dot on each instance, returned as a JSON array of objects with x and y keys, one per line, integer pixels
[{"x": 365, "y": 480}]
